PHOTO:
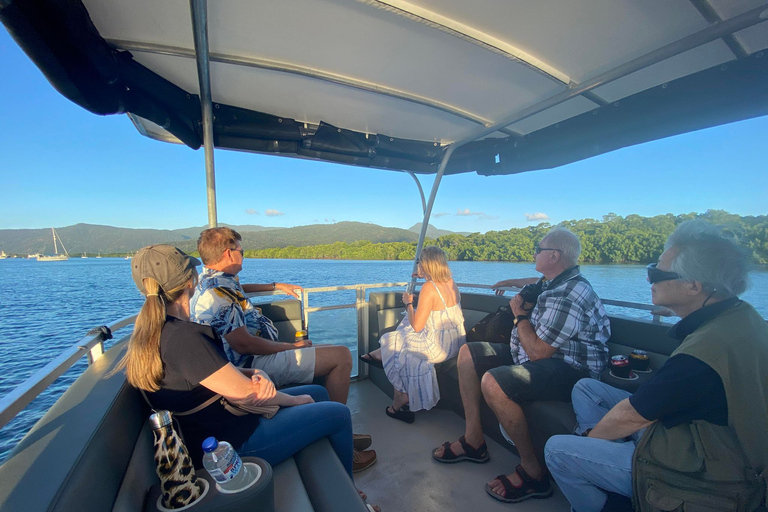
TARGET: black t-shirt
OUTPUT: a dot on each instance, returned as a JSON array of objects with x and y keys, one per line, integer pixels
[
  {"x": 191, "y": 353},
  {"x": 686, "y": 388}
]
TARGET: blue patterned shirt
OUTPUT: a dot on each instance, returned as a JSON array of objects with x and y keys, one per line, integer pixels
[
  {"x": 220, "y": 302},
  {"x": 570, "y": 317}
]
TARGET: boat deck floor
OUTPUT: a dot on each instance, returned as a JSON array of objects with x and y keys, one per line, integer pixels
[{"x": 406, "y": 478}]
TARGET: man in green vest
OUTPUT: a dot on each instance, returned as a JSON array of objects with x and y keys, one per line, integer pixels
[{"x": 695, "y": 437}]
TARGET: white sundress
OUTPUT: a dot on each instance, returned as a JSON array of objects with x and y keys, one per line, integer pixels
[{"x": 409, "y": 357}]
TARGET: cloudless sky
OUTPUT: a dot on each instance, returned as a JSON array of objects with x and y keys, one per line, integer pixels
[{"x": 61, "y": 165}]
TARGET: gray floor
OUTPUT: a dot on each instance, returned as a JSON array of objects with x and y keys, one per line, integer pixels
[{"x": 406, "y": 478}]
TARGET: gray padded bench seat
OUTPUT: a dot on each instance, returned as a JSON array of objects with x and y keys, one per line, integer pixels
[
  {"x": 545, "y": 419},
  {"x": 92, "y": 451}
]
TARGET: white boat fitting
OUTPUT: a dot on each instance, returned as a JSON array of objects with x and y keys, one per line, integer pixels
[{"x": 423, "y": 87}]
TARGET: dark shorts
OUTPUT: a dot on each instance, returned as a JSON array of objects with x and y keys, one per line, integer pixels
[{"x": 546, "y": 379}]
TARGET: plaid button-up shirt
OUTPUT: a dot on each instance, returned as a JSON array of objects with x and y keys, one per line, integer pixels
[{"x": 570, "y": 317}]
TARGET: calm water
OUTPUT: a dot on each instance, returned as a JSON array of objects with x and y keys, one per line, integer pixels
[{"x": 49, "y": 306}]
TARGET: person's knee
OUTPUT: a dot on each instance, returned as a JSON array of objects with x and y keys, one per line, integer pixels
[
  {"x": 330, "y": 357},
  {"x": 555, "y": 450},
  {"x": 492, "y": 392},
  {"x": 465, "y": 361}
]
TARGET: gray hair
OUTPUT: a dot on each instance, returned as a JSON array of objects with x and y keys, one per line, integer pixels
[
  {"x": 707, "y": 256},
  {"x": 568, "y": 243}
]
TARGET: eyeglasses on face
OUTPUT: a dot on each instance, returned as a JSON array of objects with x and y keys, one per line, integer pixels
[
  {"x": 240, "y": 250},
  {"x": 656, "y": 276},
  {"x": 537, "y": 249}
]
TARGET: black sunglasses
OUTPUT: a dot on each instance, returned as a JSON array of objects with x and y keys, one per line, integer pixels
[
  {"x": 537, "y": 249},
  {"x": 656, "y": 276},
  {"x": 241, "y": 251}
]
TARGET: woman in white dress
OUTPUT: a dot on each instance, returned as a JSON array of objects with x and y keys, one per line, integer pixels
[{"x": 429, "y": 334}]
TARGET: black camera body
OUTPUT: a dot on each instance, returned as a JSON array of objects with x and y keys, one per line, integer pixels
[{"x": 530, "y": 292}]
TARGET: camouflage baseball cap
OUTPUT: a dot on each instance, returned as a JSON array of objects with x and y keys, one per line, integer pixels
[{"x": 166, "y": 264}]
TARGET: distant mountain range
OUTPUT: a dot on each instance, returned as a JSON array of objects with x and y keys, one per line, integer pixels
[{"x": 95, "y": 239}]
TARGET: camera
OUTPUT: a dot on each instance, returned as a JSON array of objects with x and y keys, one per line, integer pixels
[{"x": 530, "y": 292}]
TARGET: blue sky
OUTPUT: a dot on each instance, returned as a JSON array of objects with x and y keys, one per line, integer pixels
[{"x": 62, "y": 165}]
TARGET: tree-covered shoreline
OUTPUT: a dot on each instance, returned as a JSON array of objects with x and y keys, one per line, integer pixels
[{"x": 614, "y": 239}]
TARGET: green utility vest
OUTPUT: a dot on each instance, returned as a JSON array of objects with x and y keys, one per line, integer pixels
[{"x": 702, "y": 466}]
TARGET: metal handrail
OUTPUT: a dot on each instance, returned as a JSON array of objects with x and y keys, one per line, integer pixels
[{"x": 92, "y": 345}]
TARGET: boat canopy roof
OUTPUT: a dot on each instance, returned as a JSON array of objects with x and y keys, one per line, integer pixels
[{"x": 390, "y": 83}]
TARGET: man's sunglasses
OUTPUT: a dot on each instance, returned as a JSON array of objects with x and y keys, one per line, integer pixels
[
  {"x": 241, "y": 251},
  {"x": 537, "y": 249},
  {"x": 656, "y": 276}
]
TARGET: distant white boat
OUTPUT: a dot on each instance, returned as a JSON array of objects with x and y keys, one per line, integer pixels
[
  {"x": 84, "y": 256},
  {"x": 3, "y": 255},
  {"x": 57, "y": 256},
  {"x": 99, "y": 256}
]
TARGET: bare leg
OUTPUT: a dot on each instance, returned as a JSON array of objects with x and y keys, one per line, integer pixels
[
  {"x": 512, "y": 418},
  {"x": 334, "y": 362},
  {"x": 400, "y": 399},
  {"x": 469, "y": 385},
  {"x": 375, "y": 354}
]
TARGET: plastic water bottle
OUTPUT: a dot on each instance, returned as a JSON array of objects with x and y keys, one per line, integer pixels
[{"x": 225, "y": 466}]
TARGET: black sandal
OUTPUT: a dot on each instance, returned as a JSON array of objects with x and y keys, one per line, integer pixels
[
  {"x": 368, "y": 358},
  {"x": 402, "y": 414},
  {"x": 477, "y": 455},
  {"x": 529, "y": 488}
]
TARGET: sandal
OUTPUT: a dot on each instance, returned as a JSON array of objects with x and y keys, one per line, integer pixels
[
  {"x": 477, "y": 455},
  {"x": 368, "y": 358},
  {"x": 529, "y": 488},
  {"x": 402, "y": 414}
]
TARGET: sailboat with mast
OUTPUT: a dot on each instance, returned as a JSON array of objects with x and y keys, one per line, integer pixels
[{"x": 57, "y": 256}]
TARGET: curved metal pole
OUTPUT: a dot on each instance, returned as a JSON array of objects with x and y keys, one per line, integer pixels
[
  {"x": 428, "y": 210},
  {"x": 421, "y": 190},
  {"x": 199, "y": 9}
]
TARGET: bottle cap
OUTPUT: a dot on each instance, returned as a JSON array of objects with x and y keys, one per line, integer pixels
[
  {"x": 160, "y": 419},
  {"x": 210, "y": 444}
]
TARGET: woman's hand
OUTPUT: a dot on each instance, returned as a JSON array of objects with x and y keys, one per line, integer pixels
[
  {"x": 262, "y": 389},
  {"x": 407, "y": 298},
  {"x": 302, "y": 399}
]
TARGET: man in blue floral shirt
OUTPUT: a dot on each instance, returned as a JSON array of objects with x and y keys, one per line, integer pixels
[{"x": 220, "y": 302}]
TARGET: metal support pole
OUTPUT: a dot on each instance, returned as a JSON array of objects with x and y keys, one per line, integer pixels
[
  {"x": 421, "y": 191},
  {"x": 428, "y": 209},
  {"x": 199, "y": 9}
]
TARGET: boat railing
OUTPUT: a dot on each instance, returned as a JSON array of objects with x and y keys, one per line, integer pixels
[{"x": 92, "y": 345}]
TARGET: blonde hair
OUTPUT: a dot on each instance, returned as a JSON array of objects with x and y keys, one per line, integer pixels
[
  {"x": 434, "y": 265},
  {"x": 142, "y": 362}
]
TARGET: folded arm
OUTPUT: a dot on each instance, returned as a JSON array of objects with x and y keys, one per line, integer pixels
[{"x": 248, "y": 386}]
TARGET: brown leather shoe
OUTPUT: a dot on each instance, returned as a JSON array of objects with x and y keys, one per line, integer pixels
[
  {"x": 361, "y": 441},
  {"x": 362, "y": 460}
]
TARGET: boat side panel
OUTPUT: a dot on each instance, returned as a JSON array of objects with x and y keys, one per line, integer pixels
[{"x": 79, "y": 449}]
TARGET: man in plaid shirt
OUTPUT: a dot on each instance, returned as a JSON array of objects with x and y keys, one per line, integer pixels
[{"x": 559, "y": 338}]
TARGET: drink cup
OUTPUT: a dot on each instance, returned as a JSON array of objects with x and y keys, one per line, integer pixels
[
  {"x": 620, "y": 367},
  {"x": 639, "y": 360}
]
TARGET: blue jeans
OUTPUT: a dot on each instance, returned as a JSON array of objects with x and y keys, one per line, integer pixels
[
  {"x": 584, "y": 467},
  {"x": 294, "y": 428}
]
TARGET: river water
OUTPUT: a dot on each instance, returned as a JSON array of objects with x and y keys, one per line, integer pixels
[{"x": 46, "y": 307}]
